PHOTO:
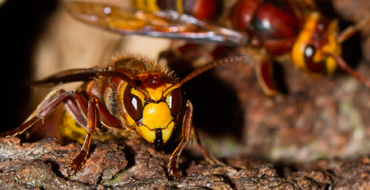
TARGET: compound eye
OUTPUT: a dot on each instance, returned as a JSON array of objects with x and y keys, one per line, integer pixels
[
  {"x": 133, "y": 104},
  {"x": 174, "y": 101}
]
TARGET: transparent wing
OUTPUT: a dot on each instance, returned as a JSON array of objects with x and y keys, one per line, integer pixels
[{"x": 165, "y": 24}]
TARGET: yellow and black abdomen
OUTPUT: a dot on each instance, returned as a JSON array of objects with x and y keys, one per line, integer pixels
[{"x": 71, "y": 131}]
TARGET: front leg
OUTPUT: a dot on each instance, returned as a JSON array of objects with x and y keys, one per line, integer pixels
[
  {"x": 344, "y": 66},
  {"x": 186, "y": 129},
  {"x": 96, "y": 114},
  {"x": 92, "y": 122}
]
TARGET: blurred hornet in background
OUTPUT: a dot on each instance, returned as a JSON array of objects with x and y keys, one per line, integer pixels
[{"x": 272, "y": 27}]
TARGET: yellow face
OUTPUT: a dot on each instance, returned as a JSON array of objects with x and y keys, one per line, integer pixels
[
  {"x": 157, "y": 123},
  {"x": 315, "y": 39},
  {"x": 149, "y": 113}
]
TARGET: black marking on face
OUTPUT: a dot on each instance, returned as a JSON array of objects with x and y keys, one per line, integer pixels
[{"x": 158, "y": 138}]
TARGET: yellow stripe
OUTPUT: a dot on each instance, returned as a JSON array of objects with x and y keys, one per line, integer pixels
[
  {"x": 301, "y": 42},
  {"x": 179, "y": 7},
  {"x": 140, "y": 4},
  {"x": 146, "y": 5},
  {"x": 333, "y": 46},
  {"x": 152, "y": 5},
  {"x": 70, "y": 130}
]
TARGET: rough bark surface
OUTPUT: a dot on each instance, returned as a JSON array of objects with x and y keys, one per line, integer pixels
[{"x": 134, "y": 164}]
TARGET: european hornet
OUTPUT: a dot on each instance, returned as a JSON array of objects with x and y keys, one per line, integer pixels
[
  {"x": 132, "y": 96},
  {"x": 136, "y": 95},
  {"x": 272, "y": 27}
]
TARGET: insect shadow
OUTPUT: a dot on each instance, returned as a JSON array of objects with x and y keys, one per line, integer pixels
[{"x": 217, "y": 109}]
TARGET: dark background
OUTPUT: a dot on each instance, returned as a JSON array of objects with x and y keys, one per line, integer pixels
[{"x": 21, "y": 24}]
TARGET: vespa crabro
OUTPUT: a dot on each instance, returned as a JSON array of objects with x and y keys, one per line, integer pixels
[
  {"x": 125, "y": 95},
  {"x": 274, "y": 28},
  {"x": 132, "y": 97}
]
